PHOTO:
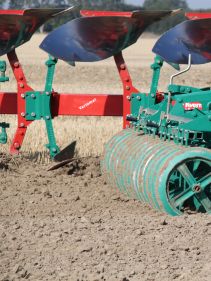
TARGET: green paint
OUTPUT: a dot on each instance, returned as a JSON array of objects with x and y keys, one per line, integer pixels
[
  {"x": 3, "y": 68},
  {"x": 38, "y": 106},
  {"x": 3, "y": 134}
]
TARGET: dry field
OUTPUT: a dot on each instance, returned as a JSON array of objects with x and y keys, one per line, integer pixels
[{"x": 69, "y": 225}]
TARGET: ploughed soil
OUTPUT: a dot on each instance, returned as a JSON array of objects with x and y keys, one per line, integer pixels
[{"x": 69, "y": 224}]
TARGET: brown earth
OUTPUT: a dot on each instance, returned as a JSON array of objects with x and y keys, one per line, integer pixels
[{"x": 70, "y": 225}]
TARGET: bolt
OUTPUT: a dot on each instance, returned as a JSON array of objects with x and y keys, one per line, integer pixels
[
  {"x": 48, "y": 94},
  {"x": 17, "y": 145},
  {"x": 47, "y": 117},
  {"x": 129, "y": 98},
  {"x": 33, "y": 96},
  {"x": 33, "y": 114},
  {"x": 128, "y": 88},
  {"x": 21, "y": 125},
  {"x": 197, "y": 188},
  {"x": 21, "y": 85},
  {"x": 138, "y": 98},
  {"x": 122, "y": 66},
  {"x": 209, "y": 117},
  {"x": 23, "y": 114},
  {"x": 54, "y": 150},
  {"x": 152, "y": 95},
  {"x": 16, "y": 64},
  {"x": 23, "y": 96}
]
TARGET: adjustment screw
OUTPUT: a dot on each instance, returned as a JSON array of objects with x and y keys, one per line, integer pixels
[
  {"x": 128, "y": 88},
  {"x": 152, "y": 95},
  {"x": 21, "y": 85},
  {"x": 129, "y": 98},
  {"x": 33, "y": 96},
  {"x": 209, "y": 117},
  {"x": 47, "y": 117},
  {"x": 138, "y": 98},
  {"x": 23, "y": 96},
  {"x": 54, "y": 150},
  {"x": 47, "y": 93},
  {"x": 23, "y": 114},
  {"x": 33, "y": 114}
]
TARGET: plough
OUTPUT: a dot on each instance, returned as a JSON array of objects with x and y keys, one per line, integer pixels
[{"x": 162, "y": 156}]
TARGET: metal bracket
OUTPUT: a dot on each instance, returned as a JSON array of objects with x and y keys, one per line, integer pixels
[
  {"x": 3, "y": 134},
  {"x": 3, "y": 68}
]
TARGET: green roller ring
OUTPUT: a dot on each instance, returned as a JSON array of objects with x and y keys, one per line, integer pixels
[{"x": 187, "y": 156}]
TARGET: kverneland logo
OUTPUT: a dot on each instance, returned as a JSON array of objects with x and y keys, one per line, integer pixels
[{"x": 192, "y": 105}]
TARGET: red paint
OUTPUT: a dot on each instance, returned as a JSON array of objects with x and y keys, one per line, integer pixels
[
  {"x": 22, "y": 87},
  {"x": 196, "y": 16},
  {"x": 11, "y": 12},
  {"x": 8, "y": 103},
  {"x": 88, "y": 13},
  {"x": 87, "y": 105},
  {"x": 128, "y": 88}
]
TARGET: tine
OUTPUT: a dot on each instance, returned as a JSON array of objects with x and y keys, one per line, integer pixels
[{"x": 190, "y": 37}]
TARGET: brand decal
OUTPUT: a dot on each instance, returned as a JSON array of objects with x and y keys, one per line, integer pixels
[
  {"x": 87, "y": 104},
  {"x": 192, "y": 105}
]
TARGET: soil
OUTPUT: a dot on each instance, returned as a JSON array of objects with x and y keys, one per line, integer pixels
[{"x": 70, "y": 225}]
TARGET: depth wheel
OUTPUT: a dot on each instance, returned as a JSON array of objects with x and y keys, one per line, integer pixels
[{"x": 189, "y": 186}]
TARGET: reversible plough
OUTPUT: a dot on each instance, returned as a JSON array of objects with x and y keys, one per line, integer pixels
[{"x": 163, "y": 156}]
